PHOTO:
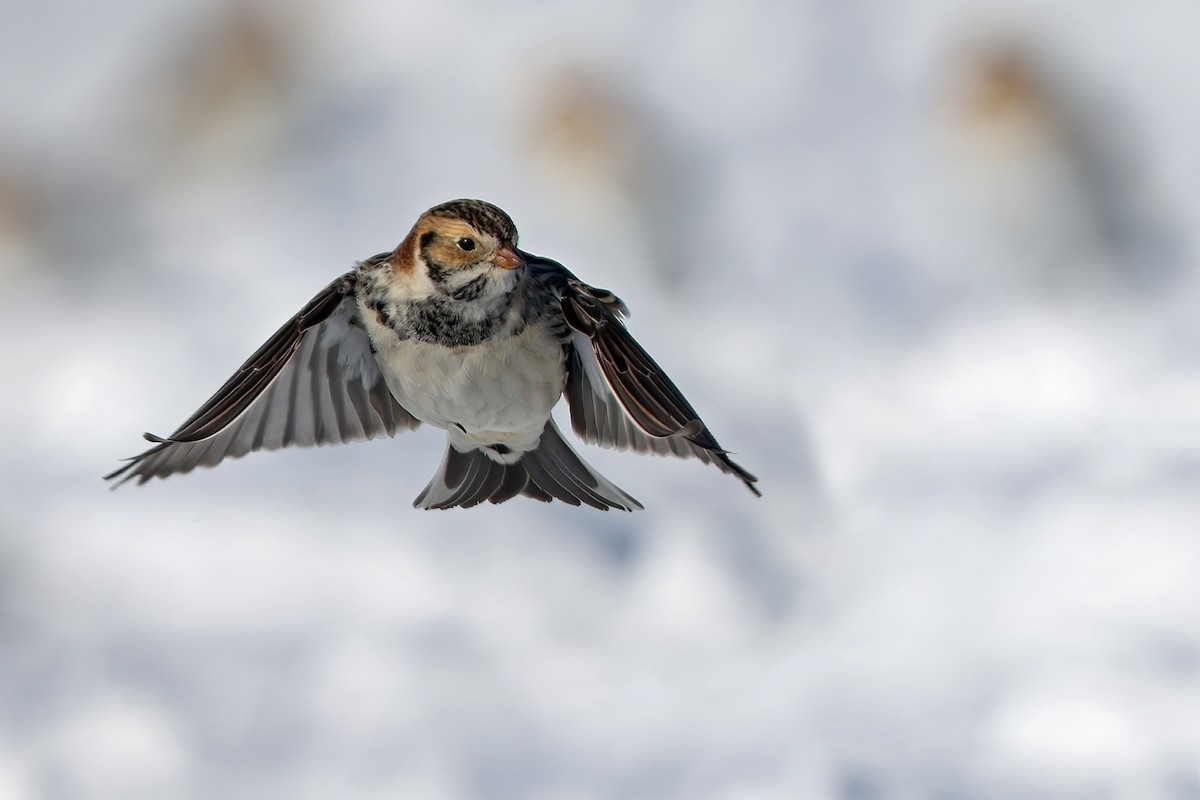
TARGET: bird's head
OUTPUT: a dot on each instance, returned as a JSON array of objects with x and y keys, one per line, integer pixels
[{"x": 457, "y": 243}]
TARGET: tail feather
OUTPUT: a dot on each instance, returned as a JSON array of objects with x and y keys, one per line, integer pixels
[
  {"x": 551, "y": 471},
  {"x": 468, "y": 482},
  {"x": 513, "y": 483},
  {"x": 558, "y": 466}
]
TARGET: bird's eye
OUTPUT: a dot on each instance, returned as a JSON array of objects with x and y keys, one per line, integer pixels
[{"x": 466, "y": 243}]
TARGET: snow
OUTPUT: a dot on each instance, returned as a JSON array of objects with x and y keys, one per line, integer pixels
[{"x": 926, "y": 267}]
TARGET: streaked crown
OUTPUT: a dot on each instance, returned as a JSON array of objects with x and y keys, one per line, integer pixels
[{"x": 484, "y": 217}]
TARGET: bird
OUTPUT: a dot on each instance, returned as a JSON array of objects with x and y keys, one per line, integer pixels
[{"x": 458, "y": 329}]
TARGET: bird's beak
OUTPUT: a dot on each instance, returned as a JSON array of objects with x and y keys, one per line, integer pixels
[{"x": 507, "y": 257}]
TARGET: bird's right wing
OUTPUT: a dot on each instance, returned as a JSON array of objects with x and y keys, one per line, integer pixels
[{"x": 314, "y": 382}]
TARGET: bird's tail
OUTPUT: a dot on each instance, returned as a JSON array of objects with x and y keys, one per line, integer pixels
[{"x": 549, "y": 471}]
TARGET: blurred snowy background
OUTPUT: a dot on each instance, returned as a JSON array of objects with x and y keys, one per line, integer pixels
[{"x": 927, "y": 267}]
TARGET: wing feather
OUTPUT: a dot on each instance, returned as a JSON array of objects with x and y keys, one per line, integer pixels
[
  {"x": 618, "y": 395},
  {"x": 314, "y": 382}
]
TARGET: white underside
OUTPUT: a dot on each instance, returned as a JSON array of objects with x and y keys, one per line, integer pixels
[{"x": 500, "y": 391}]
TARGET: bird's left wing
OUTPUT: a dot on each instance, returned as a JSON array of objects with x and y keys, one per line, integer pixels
[
  {"x": 618, "y": 395},
  {"x": 314, "y": 382}
]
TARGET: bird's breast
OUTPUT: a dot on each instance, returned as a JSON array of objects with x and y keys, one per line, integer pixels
[{"x": 497, "y": 390}]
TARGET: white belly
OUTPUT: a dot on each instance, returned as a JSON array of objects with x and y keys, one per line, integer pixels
[{"x": 500, "y": 391}]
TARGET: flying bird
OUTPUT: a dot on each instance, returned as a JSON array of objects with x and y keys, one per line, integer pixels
[{"x": 458, "y": 329}]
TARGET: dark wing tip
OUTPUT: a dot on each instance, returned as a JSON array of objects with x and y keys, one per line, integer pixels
[
  {"x": 749, "y": 480},
  {"x": 727, "y": 464},
  {"x": 116, "y": 473},
  {"x": 120, "y": 473}
]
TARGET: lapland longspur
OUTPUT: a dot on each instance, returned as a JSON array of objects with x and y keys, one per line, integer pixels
[{"x": 458, "y": 329}]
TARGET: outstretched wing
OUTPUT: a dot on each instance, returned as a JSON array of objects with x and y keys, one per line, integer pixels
[
  {"x": 619, "y": 397},
  {"x": 314, "y": 382}
]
